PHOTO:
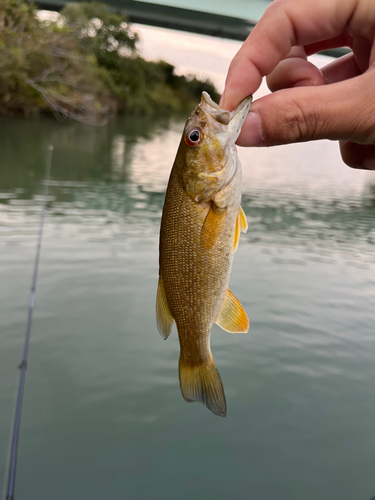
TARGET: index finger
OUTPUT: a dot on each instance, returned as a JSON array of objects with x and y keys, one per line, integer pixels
[{"x": 285, "y": 23}]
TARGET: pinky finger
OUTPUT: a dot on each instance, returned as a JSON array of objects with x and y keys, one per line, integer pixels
[{"x": 341, "y": 69}]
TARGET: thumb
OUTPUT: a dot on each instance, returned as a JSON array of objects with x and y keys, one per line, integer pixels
[{"x": 343, "y": 110}]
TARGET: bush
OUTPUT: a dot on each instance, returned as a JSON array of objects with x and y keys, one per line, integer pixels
[{"x": 83, "y": 65}]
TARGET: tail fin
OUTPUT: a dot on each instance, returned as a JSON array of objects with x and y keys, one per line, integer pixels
[{"x": 203, "y": 383}]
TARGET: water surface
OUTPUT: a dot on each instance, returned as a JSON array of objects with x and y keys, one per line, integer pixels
[{"x": 103, "y": 414}]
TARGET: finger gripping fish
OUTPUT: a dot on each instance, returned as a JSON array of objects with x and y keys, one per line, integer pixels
[{"x": 200, "y": 228}]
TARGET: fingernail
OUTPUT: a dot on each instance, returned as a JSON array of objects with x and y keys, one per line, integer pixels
[
  {"x": 369, "y": 163},
  {"x": 251, "y": 133},
  {"x": 305, "y": 83}
]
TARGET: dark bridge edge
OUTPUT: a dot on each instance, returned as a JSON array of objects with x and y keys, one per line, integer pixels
[
  {"x": 174, "y": 18},
  {"x": 177, "y": 18}
]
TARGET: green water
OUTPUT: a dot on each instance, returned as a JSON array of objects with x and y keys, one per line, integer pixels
[{"x": 103, "y": 414}]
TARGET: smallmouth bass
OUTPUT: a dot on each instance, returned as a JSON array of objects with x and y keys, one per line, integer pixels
[{"x": 200, "y": 229}]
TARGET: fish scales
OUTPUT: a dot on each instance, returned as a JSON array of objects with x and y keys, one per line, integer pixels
[
  {"x": 195, "y": 279},
  {"x": 199, "y": 234}
]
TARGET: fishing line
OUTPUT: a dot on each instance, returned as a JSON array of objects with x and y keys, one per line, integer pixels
[{"x": 12, "y": 466}]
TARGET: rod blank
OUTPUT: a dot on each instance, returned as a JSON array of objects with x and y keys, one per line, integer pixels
[{"x": 23, "y": 364}]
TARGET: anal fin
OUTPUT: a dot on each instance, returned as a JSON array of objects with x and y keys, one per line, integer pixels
[
  {"x": 164, "y": 317},
  {"x": 232, "y": 318}
]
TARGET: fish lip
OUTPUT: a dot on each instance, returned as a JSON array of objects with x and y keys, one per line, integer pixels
[
  {"x": 210, "y": 107},
  {"x": 241, "y": 107},
  {"x": 238, "y": 116},
  {"x": 206, "y": 96},
  {"x": 233, "y": 120},
  {"x": 243, "y": 104}
]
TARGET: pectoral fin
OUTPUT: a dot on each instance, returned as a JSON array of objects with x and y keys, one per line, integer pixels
[
  {"x": 211, "y": 227},
  {"x": 232, "y": 318},
  {"x": 164, "y": 317},
  {"x": 241, "y": 225},
  {"x": 243, "y": 220}
]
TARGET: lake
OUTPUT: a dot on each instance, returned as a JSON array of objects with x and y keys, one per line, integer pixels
[{"x": 103, "y": 414}]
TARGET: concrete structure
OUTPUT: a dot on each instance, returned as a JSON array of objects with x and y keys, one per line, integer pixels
[
  {"x": 177, "y": 18},
  {"x": 191, "y": 20}
]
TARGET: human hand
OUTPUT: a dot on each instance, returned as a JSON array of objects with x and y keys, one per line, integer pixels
[{"x": 336, "y": 102}]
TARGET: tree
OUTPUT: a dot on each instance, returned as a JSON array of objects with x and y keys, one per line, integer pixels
[{"x": 83, "y": 65}]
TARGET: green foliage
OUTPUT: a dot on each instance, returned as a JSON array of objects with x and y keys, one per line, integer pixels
[
  {"x": 83, "y": 65},
  {"x": 99, "y": 30},
  {"x": 43, "y": 69}
]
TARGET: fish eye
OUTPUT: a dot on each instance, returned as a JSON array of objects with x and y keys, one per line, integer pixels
[{"x": 193, "y": 137}]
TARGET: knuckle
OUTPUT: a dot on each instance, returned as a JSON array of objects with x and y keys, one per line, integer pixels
[
  {"x": 297, "y": 123},
  {"x": 361, "y": 123},
  {"x": 369, "y": 134}
]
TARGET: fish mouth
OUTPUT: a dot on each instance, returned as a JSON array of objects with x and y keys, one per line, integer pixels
[
  {"x": 238, "y": 116},
  {"x": 211, "y": 108},
  {"x": 234, "y": 120},
  {"x": 207, "y": 98}
]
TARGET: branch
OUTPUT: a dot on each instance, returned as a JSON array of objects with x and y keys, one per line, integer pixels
[{"x": 60, "y": 111}]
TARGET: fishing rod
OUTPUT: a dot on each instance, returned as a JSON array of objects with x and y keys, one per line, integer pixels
[{"x": 23, "y": 365}]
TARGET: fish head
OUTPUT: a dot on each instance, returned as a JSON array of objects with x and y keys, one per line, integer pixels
[{"x": 207, "y": 147}]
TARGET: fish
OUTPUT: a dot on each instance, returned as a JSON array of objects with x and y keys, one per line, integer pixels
[{"x": 200, "y": 228}]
